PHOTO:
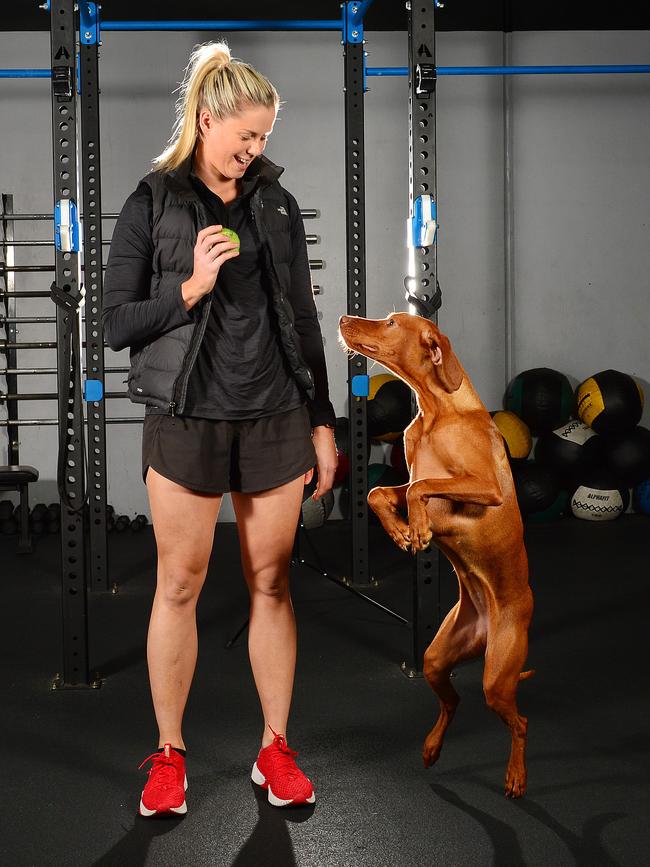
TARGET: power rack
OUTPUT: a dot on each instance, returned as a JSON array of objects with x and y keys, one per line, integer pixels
[
  {"x": 75, "y": 91},
  {"x": 74, "y": 73}
]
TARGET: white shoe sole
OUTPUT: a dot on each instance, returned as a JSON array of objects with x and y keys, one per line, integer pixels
[
  {"x": 179, "y": 811},
  {"x": 259, "y": 779}
]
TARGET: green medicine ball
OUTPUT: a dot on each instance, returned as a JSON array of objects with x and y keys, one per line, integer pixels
[{"x": 542, "y": 397}]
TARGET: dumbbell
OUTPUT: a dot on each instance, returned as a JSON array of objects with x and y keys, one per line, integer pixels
[
  {"x": 37, "y": 518},
  {"x": 53, "y": 518},
  {"x": 122, "y": 524},
  {"x": 39, "y": 512},
  {"x": 6, "y": 510},
  {"x": 8, "y": 526},
  {"x": 139, "y": 522}
]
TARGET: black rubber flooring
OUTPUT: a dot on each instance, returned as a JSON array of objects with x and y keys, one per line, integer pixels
[{"x": 70, "y": 784}]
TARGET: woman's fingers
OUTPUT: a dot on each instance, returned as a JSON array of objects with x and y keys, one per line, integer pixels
[
  {"x": 209, "y": 230},
  {"x": 222, "y": 251},
  {"x": 211, "y": 250},
  {"x": 325, "y": 481},
  {"x": 326, "y": 472}
]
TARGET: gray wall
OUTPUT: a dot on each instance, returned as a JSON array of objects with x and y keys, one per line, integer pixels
[{"x": 581, "y": 165}]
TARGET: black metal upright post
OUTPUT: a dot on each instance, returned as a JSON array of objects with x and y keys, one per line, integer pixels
[
  {"x": 71, "y": 422},
  {"x": 356, "y": 279},
  {"x": 9, "y": 304},
  {"x": 93, "y": 280},
  {"x": 423, "y": 281}
]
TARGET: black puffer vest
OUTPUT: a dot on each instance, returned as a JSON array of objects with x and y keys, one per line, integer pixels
[{"x": 160, "y": 370}]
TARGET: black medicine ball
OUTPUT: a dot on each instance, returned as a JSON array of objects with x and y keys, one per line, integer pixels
[
  {"x": 628, "y": 457},
  {"x": 537, "y": 487},
  {"x": 569, "y": 450},
  {"x": 542, "y": 397}
]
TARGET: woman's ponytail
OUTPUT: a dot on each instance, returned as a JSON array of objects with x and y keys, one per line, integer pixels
[{"x": 213, "y": 80}]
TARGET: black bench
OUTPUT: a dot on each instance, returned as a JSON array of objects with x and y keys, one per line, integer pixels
[{"x": 18, "y": 478}]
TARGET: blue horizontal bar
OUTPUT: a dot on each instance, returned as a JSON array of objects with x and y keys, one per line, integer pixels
[
  {"x": 517, "y": 70},
  {"x": 25, "y": 73},
  {"x": 541, "y": 70},
  {"x": 387, "y": 70},
  {"x": 308, "y": 24}
]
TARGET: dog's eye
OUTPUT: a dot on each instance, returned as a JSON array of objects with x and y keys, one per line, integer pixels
[{"x": 390, "y": 322}]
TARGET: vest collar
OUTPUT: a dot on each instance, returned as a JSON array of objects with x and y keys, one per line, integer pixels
[{"x": 261, "y": 170}]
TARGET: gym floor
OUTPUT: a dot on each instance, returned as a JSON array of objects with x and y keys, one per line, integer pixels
[{"x": 70, "y": 758}]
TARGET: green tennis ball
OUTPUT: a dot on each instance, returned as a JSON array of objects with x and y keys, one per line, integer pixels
[{"x": 231, "y": 235}]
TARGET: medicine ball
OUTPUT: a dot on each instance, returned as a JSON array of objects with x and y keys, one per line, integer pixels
[
  {"x": 379, "y": 475},
  {"x": 515, "y": 433},
  {"x": 599, "y": 498},
  {"x": 388, "y": 407},
  {"x": 628, "y": 457},
  {"x": 398, "y": 458},
  {"x": 570, "y": 450},
  {"x": 538, "y": 491},
  {"x": 314, "y": 513},
  {"x": 641, "y": 497},
  {"x": 610, "y": 402},
  {"x": 542, "y": 397},
  {"x": 387, "y": 476}
]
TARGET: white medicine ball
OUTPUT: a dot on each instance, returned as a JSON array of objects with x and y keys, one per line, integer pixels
[{"x": 594, "y": 504}]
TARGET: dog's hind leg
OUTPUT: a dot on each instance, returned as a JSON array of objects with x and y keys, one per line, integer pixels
[
  {"x": 461, "y": 636},
  {"x": 507, "y": 647}
]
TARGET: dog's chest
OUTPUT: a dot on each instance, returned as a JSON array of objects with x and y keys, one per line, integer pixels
[{"x": 428, "y": 455}]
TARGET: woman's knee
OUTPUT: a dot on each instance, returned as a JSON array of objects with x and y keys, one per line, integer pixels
[
  {"x": 269, "y": 584},
  {"x": 178, "y": 587}
]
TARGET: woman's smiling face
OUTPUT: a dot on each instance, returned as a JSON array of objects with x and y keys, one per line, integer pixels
[{"x": 227, "y": 147}]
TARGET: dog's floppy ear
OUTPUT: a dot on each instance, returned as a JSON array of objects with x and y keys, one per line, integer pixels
[{"x": 448, "y": 369}]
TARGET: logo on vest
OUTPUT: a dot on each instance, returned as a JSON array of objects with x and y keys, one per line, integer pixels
[{"x": 282, "y": 211}]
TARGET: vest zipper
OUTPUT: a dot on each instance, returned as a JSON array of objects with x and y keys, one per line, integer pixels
[
  {"x": 263, "y": 237},
  {"x": 190, "y": 358}
]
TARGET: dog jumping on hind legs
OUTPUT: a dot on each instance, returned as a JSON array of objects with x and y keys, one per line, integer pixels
[{"x": 461, "y": 496}]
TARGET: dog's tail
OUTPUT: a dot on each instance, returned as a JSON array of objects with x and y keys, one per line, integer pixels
[{"x": 524, "y": 675}]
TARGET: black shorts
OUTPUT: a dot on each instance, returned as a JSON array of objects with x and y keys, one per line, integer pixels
[{"x": 219, "y": 456}]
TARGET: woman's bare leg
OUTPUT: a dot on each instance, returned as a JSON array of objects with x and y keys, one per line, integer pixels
[
  {"x": 183, "y": 523},
  {"x": 267, "y": 524}
]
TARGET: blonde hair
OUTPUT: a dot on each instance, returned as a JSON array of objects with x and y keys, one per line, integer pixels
[{"x": 222, "y": 84}]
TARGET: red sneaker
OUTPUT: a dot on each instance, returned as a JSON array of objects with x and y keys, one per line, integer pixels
[
  {"x": 164, "y": 792},
  {"x": 276, "y": 770}
]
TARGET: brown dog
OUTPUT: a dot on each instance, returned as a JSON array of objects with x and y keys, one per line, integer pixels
[{"x": 461, "y": 495}]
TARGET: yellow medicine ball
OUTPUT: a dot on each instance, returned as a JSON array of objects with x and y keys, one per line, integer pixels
[
  {"x": 610, "y": 402},
  {"x": 516, "y": 434}
]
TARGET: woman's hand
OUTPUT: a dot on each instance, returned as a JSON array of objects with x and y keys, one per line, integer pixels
[
  {"x": 326, "y": 459},
  {"x": 211, "y": 250}
]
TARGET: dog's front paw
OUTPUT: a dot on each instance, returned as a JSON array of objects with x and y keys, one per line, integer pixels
[
  {"x": 399, "y": 533},
  {"x": 419, "y": 531}
]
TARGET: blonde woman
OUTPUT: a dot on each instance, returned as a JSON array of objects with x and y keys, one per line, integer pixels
[{"x": 227, "y": 356}]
